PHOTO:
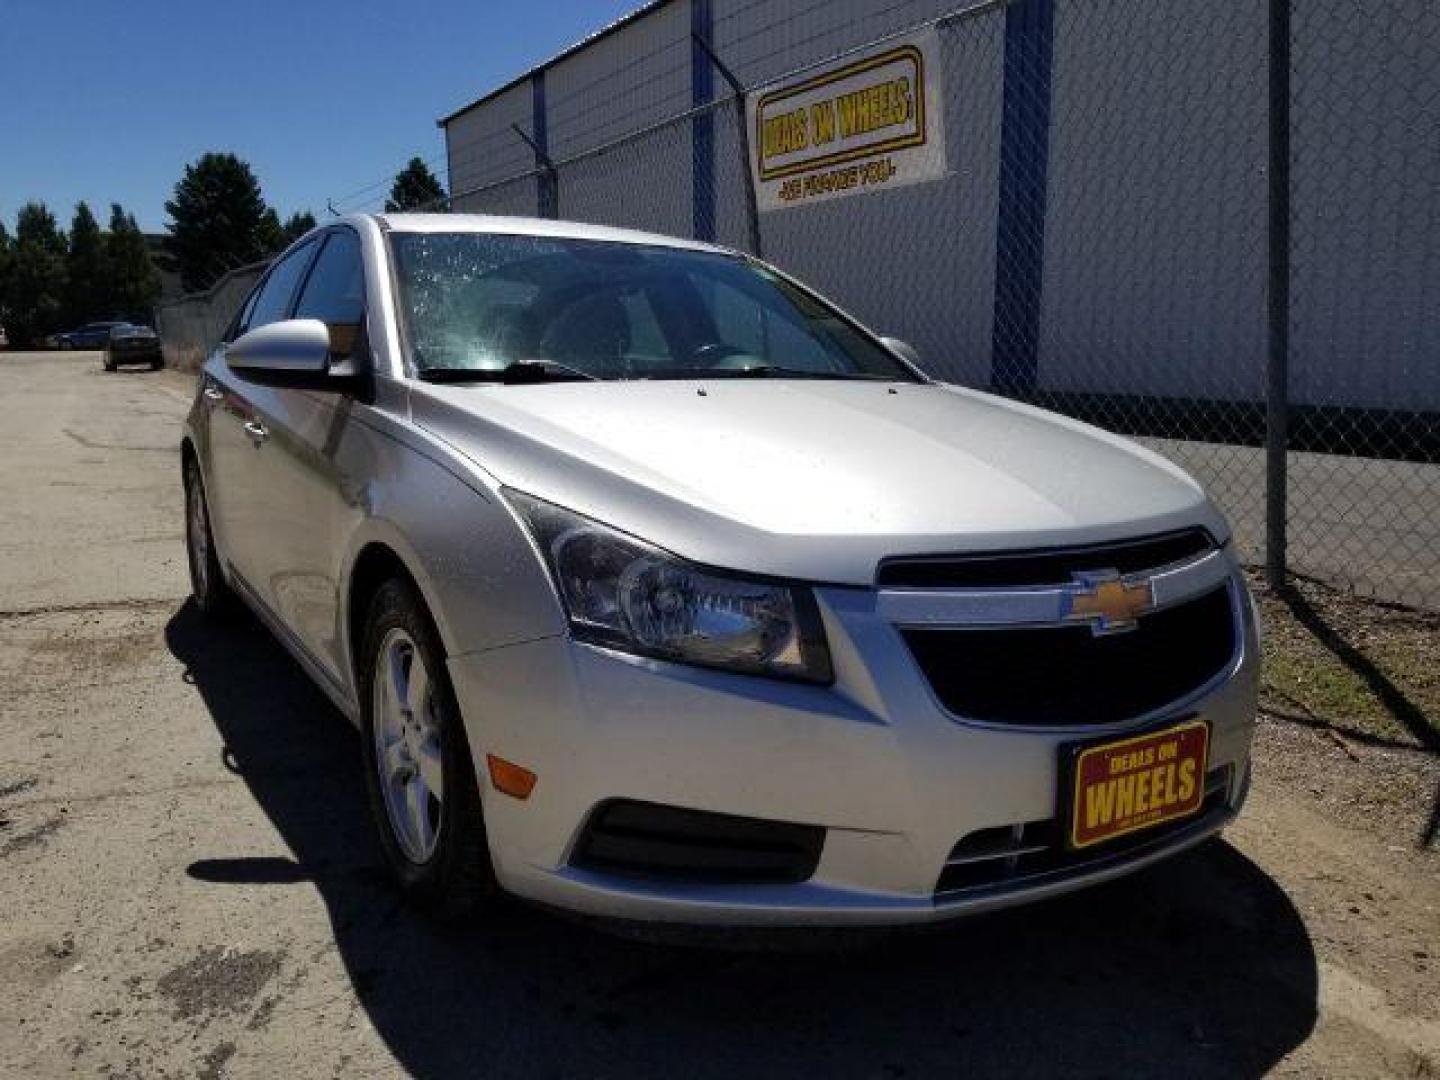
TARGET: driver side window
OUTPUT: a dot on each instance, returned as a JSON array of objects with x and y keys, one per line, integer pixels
[
  {"x": 334, "y": 293},
  {"x": 272, "y": 302}
]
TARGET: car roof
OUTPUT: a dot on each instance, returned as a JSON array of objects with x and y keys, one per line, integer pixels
[{"x": 527, "y": 226}]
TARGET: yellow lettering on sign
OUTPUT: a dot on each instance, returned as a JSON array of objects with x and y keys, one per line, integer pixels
[
  {"x": 1099, "y": 804},
  {"x": 822, "y": 122},
  {"x": 785, "y": 133},
  {"x": 1187, "y": 780},
  {"x": 1125, "y": 796},
  {"x": 874, "y": 107}
]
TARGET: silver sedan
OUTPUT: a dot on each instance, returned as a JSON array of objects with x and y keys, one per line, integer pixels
[{"x": 662, "y": 589}]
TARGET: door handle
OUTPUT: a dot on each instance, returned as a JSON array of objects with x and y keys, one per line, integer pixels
[{"x": 256, "y": 431}]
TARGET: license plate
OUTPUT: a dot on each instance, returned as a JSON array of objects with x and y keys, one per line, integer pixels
[{"x": 1124, "y": 786}]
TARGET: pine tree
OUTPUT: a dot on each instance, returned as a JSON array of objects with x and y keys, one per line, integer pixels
[
  {"x": 7, "y": 257},
  {"x": 297, "y": 225},
  {"x": 218, "y": 221},
  {"x": 415, "y": 188},
  {"x": 135, "y": 283},
  {"x": 87, "y": 275},
  {"x": 272, "y": 233},
  {"x": 37, "y": 275}
]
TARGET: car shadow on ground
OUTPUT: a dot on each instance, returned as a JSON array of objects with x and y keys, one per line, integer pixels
[
  {"x": 1406, "y": 713},
  {"x": 1198, "y": 967}
]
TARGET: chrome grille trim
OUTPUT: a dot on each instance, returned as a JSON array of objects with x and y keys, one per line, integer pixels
[{"x": 1043, "y": 606}]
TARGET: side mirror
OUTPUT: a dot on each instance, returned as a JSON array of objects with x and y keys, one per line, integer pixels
[
  {"x": 299, "y": 347},
  {"x": 902, "y": 349}
]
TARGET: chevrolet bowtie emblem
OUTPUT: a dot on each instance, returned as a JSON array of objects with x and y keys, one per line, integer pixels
[{"x": 1108, "y": 602}]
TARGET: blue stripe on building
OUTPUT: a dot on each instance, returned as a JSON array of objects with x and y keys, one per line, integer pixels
[
  {"x": 1020, "y": 224},
  {"x": 702, "y": 136}
]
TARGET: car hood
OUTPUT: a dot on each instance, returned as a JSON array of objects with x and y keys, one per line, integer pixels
[{"x": 813, "y": 479}]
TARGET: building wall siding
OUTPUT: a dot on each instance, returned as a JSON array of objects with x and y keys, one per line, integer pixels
[
  {"x": 1153, "y": 273},
  {"x": 482, "y": 147}
]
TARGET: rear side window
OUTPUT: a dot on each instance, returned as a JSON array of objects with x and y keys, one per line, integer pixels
[
  {"x": 334, "y": 293},
  {"x": 273, "y": 301}
]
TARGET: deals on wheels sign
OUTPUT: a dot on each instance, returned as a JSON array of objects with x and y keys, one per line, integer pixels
[{"x": 869, "y": 122}]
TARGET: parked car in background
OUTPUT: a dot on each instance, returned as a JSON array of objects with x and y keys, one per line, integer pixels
[
  {"x": 660, "y": 588},
  {"x": 130, "y": 344},
  {"x": 90, "y": 336}
]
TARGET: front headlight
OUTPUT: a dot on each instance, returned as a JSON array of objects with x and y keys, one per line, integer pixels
[{"x": 624, "y": 594}]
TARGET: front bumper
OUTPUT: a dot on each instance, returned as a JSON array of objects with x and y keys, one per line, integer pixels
[{"x": 892, "y": 777}]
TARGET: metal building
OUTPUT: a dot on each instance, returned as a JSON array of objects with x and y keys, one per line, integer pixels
[{"x": 1099, "y": 233}]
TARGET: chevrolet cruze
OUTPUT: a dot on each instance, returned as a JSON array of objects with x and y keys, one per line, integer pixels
[{"x": 660, "y": 588}]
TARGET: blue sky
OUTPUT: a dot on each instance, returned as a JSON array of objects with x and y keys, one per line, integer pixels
[{"x": 107, "y": 100}]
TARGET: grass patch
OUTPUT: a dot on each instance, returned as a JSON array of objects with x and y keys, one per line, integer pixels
[{"x": 1362, "y": 668}]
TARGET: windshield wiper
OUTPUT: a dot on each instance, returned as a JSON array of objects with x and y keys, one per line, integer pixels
[{"x": 518, "y": 373}]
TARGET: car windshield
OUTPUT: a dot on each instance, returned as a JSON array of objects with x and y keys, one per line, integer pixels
[{"x": 487, "y": 305}]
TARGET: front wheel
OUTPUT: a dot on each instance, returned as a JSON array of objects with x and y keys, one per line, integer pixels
[
  {"x": 424, "y": 794},
  {"x": 207, "y": 583}
]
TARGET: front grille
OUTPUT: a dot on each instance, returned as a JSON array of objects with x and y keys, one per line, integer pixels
[
  {"x": 1042, "y": 566},
  {"x": 1013, "y": 856},
  {"x": 647, "y": 840},
  {"x": 1063, "y": 675}
]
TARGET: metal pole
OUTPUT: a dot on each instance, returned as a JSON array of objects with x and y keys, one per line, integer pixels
[
  {"x": 1277, "y": 397},
  {"x": 549, "y": 177},
  {"x": 752, "y": 204}
]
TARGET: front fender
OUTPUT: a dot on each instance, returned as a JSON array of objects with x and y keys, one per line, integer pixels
[{"x": 474, "y": 566}]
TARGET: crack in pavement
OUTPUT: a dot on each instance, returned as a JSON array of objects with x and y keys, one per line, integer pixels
[
  {"x": 84, "y": 607},
  {"x": 125, "y": 793},
  {"x": 91, "y": 444}
]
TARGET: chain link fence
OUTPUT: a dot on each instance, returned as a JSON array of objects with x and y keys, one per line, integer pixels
[
  {"x": 1103, "y": 245},
  {"x": 1364, "y": 492}
]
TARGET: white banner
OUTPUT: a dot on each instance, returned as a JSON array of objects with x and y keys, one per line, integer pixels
[{"x": 869, "y": 122}]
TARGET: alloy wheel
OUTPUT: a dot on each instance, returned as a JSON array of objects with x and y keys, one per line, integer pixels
[{"x": 408, "y": 757}]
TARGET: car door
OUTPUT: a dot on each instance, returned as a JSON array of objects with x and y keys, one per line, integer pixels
[
  {"x": 305, "y": 498},
  {"x": 238, "y": 465}
]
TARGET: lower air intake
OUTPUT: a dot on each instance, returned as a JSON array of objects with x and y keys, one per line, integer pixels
[{"x": 648, "y": 840}]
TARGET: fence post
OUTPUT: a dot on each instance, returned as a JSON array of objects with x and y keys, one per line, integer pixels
[
  {"x": 752, "y": 204},
  {"x": 1277, "y": 394},
  {"x": 547, "y": 195},
  {"x": 1026, "y": 95},
  {"x": 702, "y": 128},
  {"x": 548, "y": 182}
]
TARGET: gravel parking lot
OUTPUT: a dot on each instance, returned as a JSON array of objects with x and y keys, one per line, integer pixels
[{"x": 189, "y": 886}]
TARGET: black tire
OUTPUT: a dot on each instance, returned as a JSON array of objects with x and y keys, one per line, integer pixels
[
  {"x": 457, "y": 877},
  {"x": 108, "y": 366},
  {"x": 211, "y": 592}
]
